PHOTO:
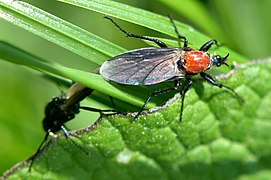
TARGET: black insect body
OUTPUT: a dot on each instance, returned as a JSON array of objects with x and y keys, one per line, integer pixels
[
  {"x": 61, "y": 110},
  {"x": 56, "y": 115},
  {"x": 148, "y": 66}
]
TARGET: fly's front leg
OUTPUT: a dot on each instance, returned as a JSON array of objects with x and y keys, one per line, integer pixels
[{"x": 211, "y": 80}]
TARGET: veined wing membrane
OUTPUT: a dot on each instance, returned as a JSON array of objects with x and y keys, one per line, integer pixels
[{"x": 144, "y": 66}]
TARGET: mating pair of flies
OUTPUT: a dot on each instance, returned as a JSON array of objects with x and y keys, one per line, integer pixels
[{"x": 145, "y": 66}]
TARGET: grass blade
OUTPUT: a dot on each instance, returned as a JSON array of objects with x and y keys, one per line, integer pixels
[{"x": 58, "y": 31}]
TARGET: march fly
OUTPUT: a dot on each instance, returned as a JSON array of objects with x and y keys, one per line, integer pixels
[
  {"x": 151, "y": 65},
  {"x": 63, "y": 109}
]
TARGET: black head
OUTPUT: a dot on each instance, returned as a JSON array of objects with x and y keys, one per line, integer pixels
[
  {"x": 217, "y": 60},
  {"x": 56, "y": 115}
]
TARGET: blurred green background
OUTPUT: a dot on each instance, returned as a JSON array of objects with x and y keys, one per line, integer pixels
[{"x": 242, "y": 25}]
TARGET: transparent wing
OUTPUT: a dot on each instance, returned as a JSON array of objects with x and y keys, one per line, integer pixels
[
  {"x": 74, "y": 95},
  {"x": 144, "y": 66}
]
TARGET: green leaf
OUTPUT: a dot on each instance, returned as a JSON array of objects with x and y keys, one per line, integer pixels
[
  {"x": 218, "y": 138},
  {"x": 58, "y": 31}
]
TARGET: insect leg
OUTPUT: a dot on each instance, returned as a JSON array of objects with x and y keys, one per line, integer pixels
[
  {"x": 184, "y": 90},
  {"x": 211, "y": 80},
  {"x": 112, "y": 102},
  {"x": 205, "y": 47},
  {"x": 68, "y": 137},
  {"x": 67, "y": 129},
  {"x": 157, "y": 93},
  {"x": 96, "y": 110},
  {"x": 101, "y": 111},
  {"x": 156, "y": 41},
  {"x": 178, "y": 34},
  {"x": 39, "y": 149}
]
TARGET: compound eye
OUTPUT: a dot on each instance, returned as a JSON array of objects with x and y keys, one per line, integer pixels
[{"x": 217, "y": 60}]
